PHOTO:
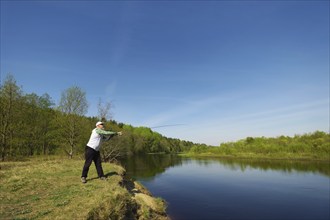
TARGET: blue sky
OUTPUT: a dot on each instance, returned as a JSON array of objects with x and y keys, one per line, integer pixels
[{"x": 218, "y": 70}]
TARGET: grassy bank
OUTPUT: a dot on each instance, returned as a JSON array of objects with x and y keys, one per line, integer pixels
[
  {"x": 268, "y": 156},
  {"x": 312, "y": 146},
  {"x": 234, "y": 153},
  {"x": 254, "y": 155},
  {"x": 43, "y": 188}
]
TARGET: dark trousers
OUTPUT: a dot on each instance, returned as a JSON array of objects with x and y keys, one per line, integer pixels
[{"x": 92, "y": 155}]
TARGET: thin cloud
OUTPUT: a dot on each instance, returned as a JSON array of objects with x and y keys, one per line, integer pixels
[
  {"x": 290, "y": 120},
  {"x": 111, "y": 89},
  {"x": 186, "y": 108}
]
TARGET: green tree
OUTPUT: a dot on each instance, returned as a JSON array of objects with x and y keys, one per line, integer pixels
[
  {"x": 46, "y": 117},
  {"x": 39, "y": 114},
  {"x": 10, "y": 95},
  {"x": 31, "y": 125}
]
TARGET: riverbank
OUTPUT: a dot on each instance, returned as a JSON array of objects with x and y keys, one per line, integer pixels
[
  {"x": 48, "y": 188},
  {"x": 311, "y": 146},
  {"x": 249, "y": 156}
]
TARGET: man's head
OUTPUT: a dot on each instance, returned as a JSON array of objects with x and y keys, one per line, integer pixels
[{"x": 99, "y": 124}]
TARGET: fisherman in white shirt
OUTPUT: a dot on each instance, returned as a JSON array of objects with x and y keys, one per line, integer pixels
[{"x": 92, "y": 150}]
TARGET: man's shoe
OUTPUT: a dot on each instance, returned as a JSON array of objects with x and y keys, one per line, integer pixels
[
  {"x": 83, "y": 180},
  {"x": 103, "y": 178}
]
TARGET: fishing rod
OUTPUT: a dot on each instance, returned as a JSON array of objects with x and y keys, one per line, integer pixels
[{"x": 170, "y": 125}]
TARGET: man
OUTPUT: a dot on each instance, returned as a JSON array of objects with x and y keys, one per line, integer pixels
[{"x": 92, "y": 150}]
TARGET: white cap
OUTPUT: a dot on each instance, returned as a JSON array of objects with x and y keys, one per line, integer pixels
[{"x": 99, "y": 123}]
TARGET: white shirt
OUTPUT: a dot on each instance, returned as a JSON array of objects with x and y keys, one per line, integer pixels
[{"x": 97, "y": 137}]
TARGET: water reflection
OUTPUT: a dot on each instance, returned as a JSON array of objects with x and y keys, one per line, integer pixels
[
  {"x": 286, "y": 166},
  {"x": 150, "y": 165},
  {"x": 199, "y": 188},
  {"x": 147, "y": 166}
]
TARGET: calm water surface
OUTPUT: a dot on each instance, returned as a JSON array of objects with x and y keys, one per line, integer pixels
[{"x": 235, "y": 189}]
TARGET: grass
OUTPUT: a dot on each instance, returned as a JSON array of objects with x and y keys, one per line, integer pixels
[
  {"x": 149, "y": 207},
  {"x": 44, "y": 188},
  {"x": 253, "y": 155}
]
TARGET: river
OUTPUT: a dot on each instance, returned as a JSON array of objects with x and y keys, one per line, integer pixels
[{"x": 235, "y": 189}]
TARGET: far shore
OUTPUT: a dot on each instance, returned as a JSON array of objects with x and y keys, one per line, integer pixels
[{"x": 255, "y": 156}]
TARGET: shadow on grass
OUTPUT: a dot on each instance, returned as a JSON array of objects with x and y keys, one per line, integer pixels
[
  {"x": 111, "y": 174},
  {"x": 107, "y": 175}
]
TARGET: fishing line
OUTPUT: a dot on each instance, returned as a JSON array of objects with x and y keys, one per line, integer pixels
[{"x": 170, "y": 125}]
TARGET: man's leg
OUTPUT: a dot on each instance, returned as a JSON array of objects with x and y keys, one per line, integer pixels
[
  {"x": 89, "y": 155},
  {"x": 98, "y": 164}
]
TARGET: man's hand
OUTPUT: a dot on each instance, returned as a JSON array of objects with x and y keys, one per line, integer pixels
[{"x": 120, "y": 133}]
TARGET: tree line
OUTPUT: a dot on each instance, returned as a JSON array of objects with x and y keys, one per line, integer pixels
[
  {"x": 31, "y": 124},
  {"x": 315, "y": 145},
  {"x": 34, "y": 125}
]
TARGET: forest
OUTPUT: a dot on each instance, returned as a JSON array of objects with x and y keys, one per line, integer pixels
[{"x": 31, "y": 124}]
